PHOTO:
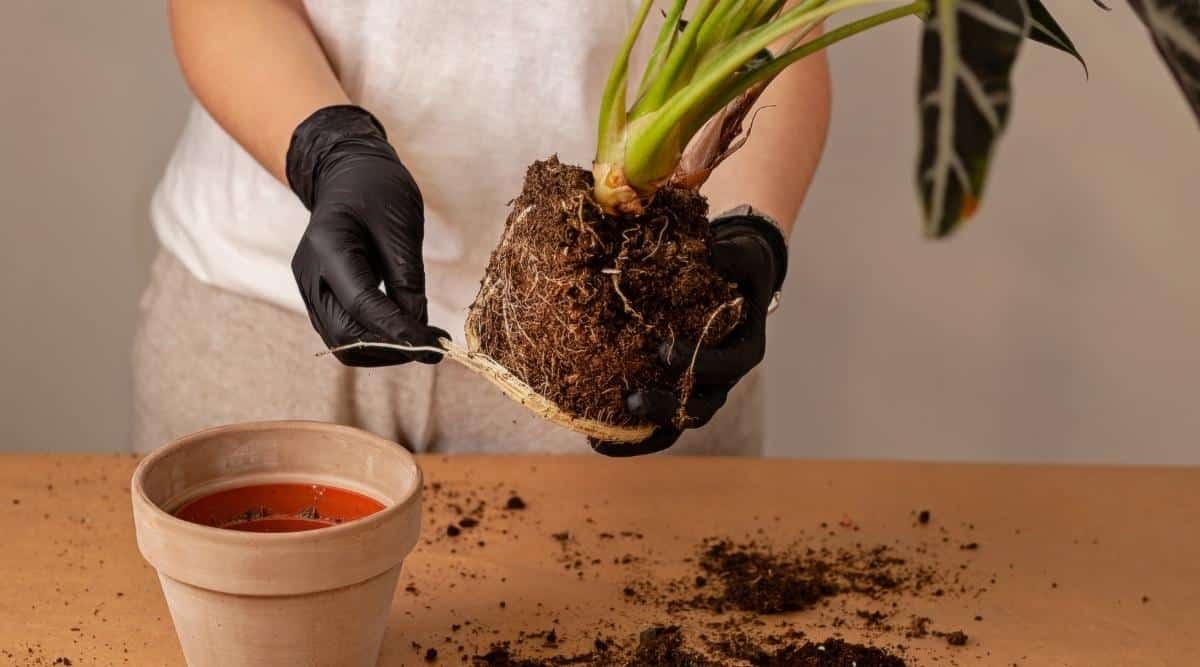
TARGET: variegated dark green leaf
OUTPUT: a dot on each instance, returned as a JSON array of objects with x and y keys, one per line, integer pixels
[
  {"x": 1043, "y": 28},
  {"x": 1175, "y": 26},
  {"x": 967, "y": 54}
]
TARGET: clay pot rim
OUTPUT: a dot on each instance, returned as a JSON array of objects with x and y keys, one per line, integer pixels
[{"x": 246, "y": 537}]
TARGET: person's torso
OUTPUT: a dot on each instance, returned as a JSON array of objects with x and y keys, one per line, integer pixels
[{"x": 470, "y": 93}]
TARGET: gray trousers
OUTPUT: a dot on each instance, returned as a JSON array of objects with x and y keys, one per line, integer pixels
[{"x": 205, "y": 356}]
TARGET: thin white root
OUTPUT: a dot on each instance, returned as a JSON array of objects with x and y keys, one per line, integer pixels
[
  {"x": 616, "y": 281},
  {"x": 689, "y": 376},
  {"x": 736, "y": 303},
  {"x": 385, "y": 346},
  {"x": 658, "y": 244},
  {"x": 516, "y": 389}
]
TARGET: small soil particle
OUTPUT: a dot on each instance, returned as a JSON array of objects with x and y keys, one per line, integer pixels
[
  {"x": 970, "y": 546},
  {"x": 468, "y": 522},
  {"x": 918, "y": 627},
  {"x": 515, "y": 503},
  {"x": 956, "y": 638},
  {"x": 431, "y": 655},
  {"x": 923, "y": 517},
  {"x": 453, "y": 530}
]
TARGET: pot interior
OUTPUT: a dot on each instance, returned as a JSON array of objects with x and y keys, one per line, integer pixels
[{"x": 280, "y": 453}]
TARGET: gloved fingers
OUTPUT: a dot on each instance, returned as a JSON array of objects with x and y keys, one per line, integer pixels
[
  {"x": 661, "y": 439},
  {"x": 662, "y": 407},
  {"x": 337, "y": 327},
  {"x": 348, "y": 266},
  {"x": 703, "y": 404},
  {"x": 740, "y": 260},
  {"x": 725, "y": 364},
  {"x": 654, "y": 405},
  {"x": 399, "y": 254}
]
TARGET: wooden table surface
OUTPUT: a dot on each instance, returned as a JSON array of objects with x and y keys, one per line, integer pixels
[{"x": 1074, "y": 565}]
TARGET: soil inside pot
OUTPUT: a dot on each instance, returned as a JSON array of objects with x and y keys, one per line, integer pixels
[{"x": 278, "y": 508}]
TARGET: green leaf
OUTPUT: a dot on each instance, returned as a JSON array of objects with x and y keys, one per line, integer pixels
[
  {"x": 671, "y": 27},
  {"x": 967, "y": 53},
  {"x": 1175, "y": 27},
  {"x": 1044, "y": 29},
  {"x": 612, "y": 103}
]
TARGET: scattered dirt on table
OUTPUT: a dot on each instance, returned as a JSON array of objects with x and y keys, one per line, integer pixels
[
  {"x": 726, "y": 602},
  {"x": 664, "y": 646},
  {"x": 669, "y": 646},
  {"x": 832, "y": 652},
  {"x": 758, "y": 578}
]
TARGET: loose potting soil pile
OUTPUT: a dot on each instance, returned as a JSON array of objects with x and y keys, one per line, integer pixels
[
  {"x": 577, "y": 303},
  {"x": 664, "y": 646},
  {"x": 731, "y": 602}
]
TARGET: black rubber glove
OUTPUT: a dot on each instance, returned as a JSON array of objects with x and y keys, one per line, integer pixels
[
  {"x": 749, "y": 250},
  {"x": 367, "y": 227}
]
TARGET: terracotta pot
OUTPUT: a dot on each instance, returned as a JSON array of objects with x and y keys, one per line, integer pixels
[{"x": 242, "y": 599}]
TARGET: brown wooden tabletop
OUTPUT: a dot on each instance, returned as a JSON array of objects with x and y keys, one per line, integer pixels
[{"x": 1070, "y": 565}]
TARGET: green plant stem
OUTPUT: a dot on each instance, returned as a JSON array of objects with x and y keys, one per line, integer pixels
[
  {"x": 662, "y": 46},
  {"x": 676, "y": 63},
  {"x": 781, "y": 62},
  {"x": 717, "y": 79},
  {"x": 612, "y": 103}
]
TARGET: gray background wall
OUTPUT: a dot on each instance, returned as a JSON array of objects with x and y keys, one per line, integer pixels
[{"x": 1062, "y": 325}]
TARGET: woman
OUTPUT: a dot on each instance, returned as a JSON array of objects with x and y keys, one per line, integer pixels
[{"x": 343, "y": 108}]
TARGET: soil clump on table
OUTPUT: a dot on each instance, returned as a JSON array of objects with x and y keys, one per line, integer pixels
[{"x": 666, "y": 646}]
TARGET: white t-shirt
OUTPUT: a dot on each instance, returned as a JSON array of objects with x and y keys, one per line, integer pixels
[{"x": 470, "y": 93}]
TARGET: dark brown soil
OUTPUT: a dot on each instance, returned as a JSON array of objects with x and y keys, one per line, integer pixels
[
  {"x": 577, "y": 303},
  {"x": 515, "y": 503},
  {"x": 501, "y": 655},
  {"x": 956, "y": 638},
  {"x": 666, "y": 646},
  {"x": 829, "y": 653},
  {"x": 728, "y": 601},
  {"x": 756, "y": 578},
  {"x": 663, "y": 646}
]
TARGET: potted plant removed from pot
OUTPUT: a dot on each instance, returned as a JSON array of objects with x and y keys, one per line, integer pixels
[{"x": 596, "y": 268}]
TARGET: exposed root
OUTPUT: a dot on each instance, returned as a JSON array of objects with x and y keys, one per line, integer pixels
[
  {"x": 615, "y": 274},
  {"x": 575, "y": 304},
  {"x": 385, "y": 346},
  {"x": 516, "y": 389},
  {"x": 688, "y": 382}
]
